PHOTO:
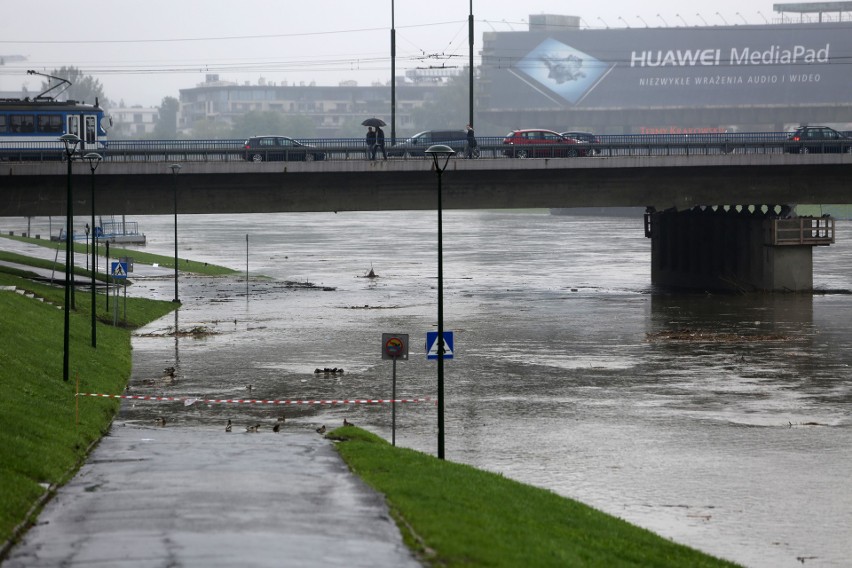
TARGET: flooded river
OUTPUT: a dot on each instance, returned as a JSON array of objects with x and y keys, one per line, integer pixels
[{"x": 721, "y": 422}]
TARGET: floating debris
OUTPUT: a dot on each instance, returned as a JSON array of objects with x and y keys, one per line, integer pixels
[{"x": 712, "y": 336}]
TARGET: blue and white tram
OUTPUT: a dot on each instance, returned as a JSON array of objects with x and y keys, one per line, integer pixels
[
  {"x": 36, "y": 125},
  {"x": 30, "y": 128}
]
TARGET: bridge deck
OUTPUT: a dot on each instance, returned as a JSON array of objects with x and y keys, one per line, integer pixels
[{"x": 680, "y": 182}]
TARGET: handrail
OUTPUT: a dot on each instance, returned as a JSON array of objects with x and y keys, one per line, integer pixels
[
  {"x": 491, "y": 147},
  {"x": 813, "y": 231}
]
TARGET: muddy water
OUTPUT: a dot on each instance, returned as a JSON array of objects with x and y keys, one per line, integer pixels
[{"x": 720, "y": 422}]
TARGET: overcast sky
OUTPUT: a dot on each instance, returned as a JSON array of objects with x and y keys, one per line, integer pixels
[{"x": 142, "y": 51}]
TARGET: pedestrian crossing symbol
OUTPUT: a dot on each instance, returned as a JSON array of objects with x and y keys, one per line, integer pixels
[
  {"x": 432, "y": 345},
  {"x": 119, "y": 270}
]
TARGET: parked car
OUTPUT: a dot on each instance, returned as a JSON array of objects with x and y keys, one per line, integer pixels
[
  {"x": 417, "y": 144},
  {"x": 280, "y": 148},
  {"x": 584, "y": 138},
  {"x": 818, "y": 139},
  {"x": 538, "y": 143}
]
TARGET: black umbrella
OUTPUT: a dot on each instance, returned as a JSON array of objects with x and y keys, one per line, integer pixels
[{"x": 374, "y": 122}]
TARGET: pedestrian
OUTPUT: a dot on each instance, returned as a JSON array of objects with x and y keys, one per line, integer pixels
[
  {"x": 380, "y": 143},
  {"x": 371, "y": 143},
  {"x": 471, "y": 142}
]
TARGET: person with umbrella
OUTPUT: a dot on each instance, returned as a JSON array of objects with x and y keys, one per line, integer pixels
[
  {"x": 471, "y": 143},
  {"x": 375, "y": 139},
  {"x": 371, "y": 143},
  {"x": 380, "y": 143}
]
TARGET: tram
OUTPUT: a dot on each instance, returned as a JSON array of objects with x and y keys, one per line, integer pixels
[{"x": 35, "y": 124}]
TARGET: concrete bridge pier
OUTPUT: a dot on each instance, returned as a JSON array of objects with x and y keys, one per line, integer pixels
[{"x": 735, "y": 248}]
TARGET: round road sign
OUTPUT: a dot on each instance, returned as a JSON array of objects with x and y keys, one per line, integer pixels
[{"x": 394, "y": 347}]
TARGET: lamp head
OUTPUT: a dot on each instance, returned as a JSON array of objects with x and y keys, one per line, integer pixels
[
  {"x": 175, "y": 168},
  {"x": 94, "y": 159},
  {"x": 440, "y": 155},
  {"x": 70, "y": 141}
]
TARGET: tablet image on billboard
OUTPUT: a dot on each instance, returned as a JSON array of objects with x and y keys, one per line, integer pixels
[{"x": 554, "y": 68}]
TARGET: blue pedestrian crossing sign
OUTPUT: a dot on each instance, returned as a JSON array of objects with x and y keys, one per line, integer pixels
[
  {"x": 432, "y": 344},
  {"x": 118, "y": 270}
]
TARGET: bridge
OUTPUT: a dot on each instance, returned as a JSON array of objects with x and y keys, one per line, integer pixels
[
  {"x": 716, "y": 220},
  {"x": 662, "y": 182}
]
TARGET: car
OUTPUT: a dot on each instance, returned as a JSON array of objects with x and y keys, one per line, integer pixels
[
  {"x": 417, "y": 144},
  {"x": 280, "y": 148},
  {"x": 540, "y": 143},
  {"x": 818, "y": 140},
  {"x": 584, "y": 138}
]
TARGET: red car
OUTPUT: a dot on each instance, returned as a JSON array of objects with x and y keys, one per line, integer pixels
[{"x": 538, "y": 143}]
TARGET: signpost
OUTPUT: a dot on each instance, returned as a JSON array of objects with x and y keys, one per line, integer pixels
[
  {"x": 432, "y": 345},
  {"x": 118, "y": 270},
  {"x": 394, "y": 346}
]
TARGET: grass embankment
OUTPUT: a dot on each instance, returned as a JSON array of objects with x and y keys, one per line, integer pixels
[
  {"x": 451, "y": 514},
  {"x": 456, "y": 515},
  {"x": 41, "y": 444},
  {"x": 139, "y": 257}
]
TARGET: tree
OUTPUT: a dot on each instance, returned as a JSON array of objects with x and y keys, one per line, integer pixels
[
  {"x": 209, "y": 129},
  {"x": 166, "y": 127},
  {"x": 449, "y": 110},
  {"x": 84, "y": 88},
  {"x": 258, "y": 123},
  {"x": 299, "y": 126}
]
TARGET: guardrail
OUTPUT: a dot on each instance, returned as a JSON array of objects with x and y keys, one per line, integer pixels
[
  {"x": 814, "y": 231},
  {"x": 489, "y": 148}
]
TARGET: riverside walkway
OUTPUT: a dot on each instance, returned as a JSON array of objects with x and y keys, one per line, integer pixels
[
  {"x": 152, "y": 496},
  {"x": 160, "y": 496}
]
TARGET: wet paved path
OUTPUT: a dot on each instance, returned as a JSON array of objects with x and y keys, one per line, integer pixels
[
  {"x": 192, "y": 497},
  {"x": 173, "y": 497}
]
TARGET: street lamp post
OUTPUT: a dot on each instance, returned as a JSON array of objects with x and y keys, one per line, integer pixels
[
  {"x": 87, "y": 246},
  {"x": 70, "y": 141},
  {"x": 175, "y": 169},
  {"x": 393, "y": 76},
  {"x": 470, "y": 77},
  {"x": 440, "y": 157},
  {"x": 94, "y": 160}
]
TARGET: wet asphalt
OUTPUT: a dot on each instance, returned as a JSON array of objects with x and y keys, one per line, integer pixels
[{"x": 153, "y": 496}]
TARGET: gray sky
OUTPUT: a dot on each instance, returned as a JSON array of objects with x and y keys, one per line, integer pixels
[{"x": 142, "y": 51}]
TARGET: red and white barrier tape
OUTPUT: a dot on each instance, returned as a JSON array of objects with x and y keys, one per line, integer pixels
[{"x": 188, "y": 401}]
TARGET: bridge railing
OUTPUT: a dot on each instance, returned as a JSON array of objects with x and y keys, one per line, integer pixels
[
  {"x": 814, "y": 231},
  {"x": 490, "y": 147}
]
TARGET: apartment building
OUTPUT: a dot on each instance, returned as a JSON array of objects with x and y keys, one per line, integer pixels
[
  {"x": 132, "y": 122},
  {"x": 329, "y": 107}
]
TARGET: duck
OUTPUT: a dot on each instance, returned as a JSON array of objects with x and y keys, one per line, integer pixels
[
  {"x": 169, "y": 371},
  {"x": 276, "y": 427},
  {"x": 321, "y": 429},
  {"x": 251, "y": 428},
  {"x": 228, "y": 426},
  {"x": 347, "y": 423},
  {"x": 161, "y": 421}
]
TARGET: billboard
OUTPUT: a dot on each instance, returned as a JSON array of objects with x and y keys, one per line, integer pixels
[{"x": 766, "y": 65}]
